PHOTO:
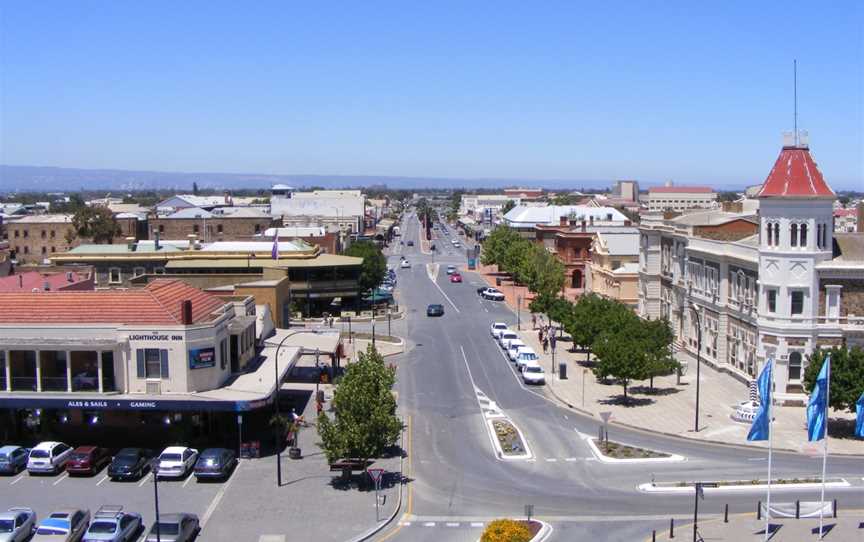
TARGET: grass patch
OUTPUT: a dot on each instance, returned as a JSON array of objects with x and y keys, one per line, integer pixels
[
  {"x": 508, "y": 437},
  {"x": 617, "y": 450}
]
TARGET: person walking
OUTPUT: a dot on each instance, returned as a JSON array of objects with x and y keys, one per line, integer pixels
[
  {"x": 540, "y": 335},
  {"x": 533, "y": 321},
  {"x": 545, "y": 344}
]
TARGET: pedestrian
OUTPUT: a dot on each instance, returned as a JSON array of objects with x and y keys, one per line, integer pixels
[
  {"x": 533, "y": 321},
  {"x": 545, "y": 344},
  {"x": 552, "y": 340},
  {"x": 540, "y": 335}
]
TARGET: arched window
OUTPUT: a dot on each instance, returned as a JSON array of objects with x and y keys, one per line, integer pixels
[
  {"x": 804, "y": 235},
  {"x": 776, "y": 234},
  {"x": 768, "y": 234},
  {"x": 793, "y": 237},
  {"x": 795, "y": 366}
]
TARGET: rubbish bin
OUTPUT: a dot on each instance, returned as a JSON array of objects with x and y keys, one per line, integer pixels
[
  {"x": 497, "y": 281},
  {"x": 562, "y": 371}
]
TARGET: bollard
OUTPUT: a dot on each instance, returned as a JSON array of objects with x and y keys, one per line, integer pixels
[
  {"x": 759, "y": 510},
  {"x": 835, "y": 508},
  {"x": 726, "y": 514},
  {"x": 671, "y": 527},
  {"x": 654, "y": 535},
  {"x": 797, "y": 509}
]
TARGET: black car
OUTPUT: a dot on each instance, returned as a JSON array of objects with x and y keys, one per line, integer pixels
[
  {"x": 410, "y": 243},
  {"x": 435, "y": 310},
  {"x": 215, "y": 463},
  {"x": 130, "y": 464}
]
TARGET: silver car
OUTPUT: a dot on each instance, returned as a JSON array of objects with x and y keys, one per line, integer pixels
[
  {"x": 175, "y": 528},
  {"x": 17, "y": 524},
  {"x": 67, "y": 525},
  {"x": 112, "y": 524}
]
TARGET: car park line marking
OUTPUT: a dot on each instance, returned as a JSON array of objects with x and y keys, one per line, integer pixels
[
  {"x": 145, "y": 479},
  {"x": 65, "y": 475},
  {"x": 451, "y": 524},
  {"x": 429, "y": 524},
  {"x": 16, "y": 480},
  {"x": 551, "y": 459},
  {"x": 99, "y": 483},
  {"x": 188, "y": 478},
  {"x": 218, "y": 498}
]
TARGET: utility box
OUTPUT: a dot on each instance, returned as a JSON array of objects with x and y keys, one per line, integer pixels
[{"x": 562, "y": 371}]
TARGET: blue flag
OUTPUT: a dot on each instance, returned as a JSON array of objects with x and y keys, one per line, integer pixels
[
  {"x": 859, "y": 417},
  {"x": 817, "y": 407},
  {"x": 761, "y": 428}
]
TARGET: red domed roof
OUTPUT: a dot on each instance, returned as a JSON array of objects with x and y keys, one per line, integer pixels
[{"x": 795, "y": 175}]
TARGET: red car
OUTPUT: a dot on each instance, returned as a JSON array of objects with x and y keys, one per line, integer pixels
[
  {"x": 87, "y": 460},
  {"x": 455, "y": 277}
]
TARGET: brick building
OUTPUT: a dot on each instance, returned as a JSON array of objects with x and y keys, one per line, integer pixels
[
  {"x": 35, "y": 238},
  {"x": 220, "y": 224}
]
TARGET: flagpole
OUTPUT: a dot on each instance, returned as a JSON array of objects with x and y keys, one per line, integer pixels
[
  {"x": 770, "y": 408},
  {"x": 825, "y": 449}
]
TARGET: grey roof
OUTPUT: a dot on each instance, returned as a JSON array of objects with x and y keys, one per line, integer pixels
[
  {"x": 849, "y": 247},
  {"x": 551, "y": 215},
  {"x": 191, "y": 212},
  {"x": 621, "y": 243},
  {"x": 712, "y": 218}
]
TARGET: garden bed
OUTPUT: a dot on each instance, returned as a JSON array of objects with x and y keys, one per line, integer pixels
[
  {"x": 509, "y": 438},
  {"x": 616, "y": 450}
]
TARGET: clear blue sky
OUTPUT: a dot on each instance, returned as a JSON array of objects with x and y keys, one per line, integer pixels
[{"x": 541, "y": 90}]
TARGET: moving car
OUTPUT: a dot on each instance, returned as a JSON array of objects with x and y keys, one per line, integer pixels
[
  {"x": 513, "y": 348},
  {"x": 492, "y": 294},
  {"x": 17, "y": 524},
  {"x": 405, "y": 264},
  {"x": 525, "y": 356},
  {"x": 435, "y": 309},
  {"x": 456, "y": 277},
  {"x": 451, "y": 269},
  {"x": 215, "y": 463},
  {"x": 67, "y": 525},
  {"x": 497, "y": 328},
  {"x": 176, "y": 462},
  {"x": 410, "y": 243},
  {"x": 174, "y": 528},
  {"x": 112, "y": 524},
  {"x": 130, "y": 463},
  {"x": 87, "y": 460},
  {"x": 457, "y": 245},
  {"x": 48, "y": 457},
  {"x": 532, "y": 373},
  {"x": 506, "y": 336},
  {"x": 13, "y": 459}
]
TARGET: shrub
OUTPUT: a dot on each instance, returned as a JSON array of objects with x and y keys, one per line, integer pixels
[{"x": 506, "y": 530}]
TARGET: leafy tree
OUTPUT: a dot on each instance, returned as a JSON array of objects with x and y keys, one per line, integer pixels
[
  {"x": 96, "y": 223},
  {"x": 75, "y": 203},
  {"x": 494, "y": 246},
  {"x": 508, "y": 206},
  {"x": 657, "y": 337},
  {"x": 847, "y": 375},
  {"x": 365, "y": 421},
  {"x": 620, "y": 350},
  {"x": 374, "y": 265},
  {"x": 542, "y": 272},
  {"x": 590, "y": 317},
  {"x": 565, "y": 199},
  {"x": 506, "y": 530},
  {"x": 515, "y": 259}
]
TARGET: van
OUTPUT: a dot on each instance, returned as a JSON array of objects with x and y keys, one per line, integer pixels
[{"x": 48, "y": 457}]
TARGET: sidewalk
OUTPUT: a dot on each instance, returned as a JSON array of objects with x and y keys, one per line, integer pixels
[
  {"x": 746, "y": 528},
  {"x": 670, "y": 408}
]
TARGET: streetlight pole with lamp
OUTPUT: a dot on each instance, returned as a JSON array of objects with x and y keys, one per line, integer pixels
[
  {"x": 698, "y": 320},
  {"x": 276, "y": 413}
]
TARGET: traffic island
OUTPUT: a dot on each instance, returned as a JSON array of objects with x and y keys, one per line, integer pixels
[
  {"x": 509, "y": 439},
  {"x": 743, "y": 486},
  {"x": 609, "y": 451},
  {"x": 516, "y": 530}
]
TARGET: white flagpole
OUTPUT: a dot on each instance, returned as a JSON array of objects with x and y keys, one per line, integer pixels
[
  {"x": 770, "y": 408},
  {"x": 825, "y": 449}
]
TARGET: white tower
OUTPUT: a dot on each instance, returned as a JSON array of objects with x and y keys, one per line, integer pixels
[{"x": 795, "y": 235}]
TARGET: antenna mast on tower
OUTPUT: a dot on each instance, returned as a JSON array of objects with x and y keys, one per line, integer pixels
[{"x": 795, "y": 91}]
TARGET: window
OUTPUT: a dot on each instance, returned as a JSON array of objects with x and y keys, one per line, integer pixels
[
  {"x": 53, "y": 249},
  {"x": 16, "y": 234},
  {"x": 44, "y": 234},
  {"x": 776, "y": 234},
  {"x": 44, "y": 250},
  {"x": 195, "y": 228},
  {"x": 115, "y": 276},
  {"x": 772, "y": 300},
  {"x": 26, "y": 234},
  {"x": 768, "y": 234},
  {"x": 223, "y": 354},
  {"x": 797, "y": 302},
  {"x": 152, "y": 363},
  {"x": 219, "y": 228},
  {"x": 803, "y": 233},
  {"x": 26, "y": 249},
  {"x": 161, "y": 228},
  {"x": 138, "y": 271},
  {"x": 53, "y": 234},
  {"x": 795, "y": 366},
  {"x": 793, "y": 237},
  {"x": 821, "y": 235},
  {"x": 257, "y": 228}
]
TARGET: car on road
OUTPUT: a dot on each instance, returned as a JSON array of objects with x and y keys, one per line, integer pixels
[
  {"x": 457, "y": 245},
  {"x": 505, "y": 344},
  {"x": 506, "y": 336},
  {"x": 112, "y": 524},
  {"x": 66, "y": 525},
  {"x": 492, "y": 294},
  {"x": 87, "y": 460},
  {"x": 532, "y": 373},
  {"x": 436, "y": 309},
  {"x": 13, "y": 459},
  {"x": 456, "y": 277},
  {"x": 175, "y": 462},
  {"x": 48, "y": 457},
  {"x": 215, "y": 463},
  {"x": 525, "y": 356},
  {"x": 451, "y": 269},
  {"x": 405, "y": 264},
  {"x": 497, "y": 328},
  {"x": 130, "y": 464},
  {"x": 175, "y": 528},
  {"x": 513, "y": 348},
  {"x": 17, "y": 524},
  {"x": 410, "y": 243}
]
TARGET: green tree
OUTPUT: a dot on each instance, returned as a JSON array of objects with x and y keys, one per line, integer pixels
[
  {"x": 619, "y": 349},
  {"x": 96, "y": 223},
  {"x": 847, "y": 375},
  {"x": 374, "y": 265},
  {"x": 542, "y": 272},
  {"x": 565, "y": 199},
  {"x": 657, "y": 337},
  {"x": 515, "y": 259},
  {"x": 590, "y": 317},
  {"x": 494, "y": 246},
  {"x": 508, "y": 206},
  {"x": 364, "y": 423}
]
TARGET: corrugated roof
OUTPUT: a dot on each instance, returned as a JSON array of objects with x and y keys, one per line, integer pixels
[
  {"x": 620, "y": 244},
  {"x": 680, "y": 190},
  {"x": 849, "y": 247},
  {"x": 795, "y": 175},
  {"x": 157, "y": 304},
  {"x": 323, "y": 260},
  {"x": 552, "y": 214}
]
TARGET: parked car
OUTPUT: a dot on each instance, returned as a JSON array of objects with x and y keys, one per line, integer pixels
[
  {"x": 497, "y": 328},
  {"x": 506, "y": 336},
  {"x": 532, "y": 373},
  {"x": 48, "y": 457},
  {"x": 87, "y": 460},
  {"x": 175, "y": 528},
  {"x": 526, "y": 355},
  {"x": 66, "y": 525},
  {"x": 456, "y": 277},
  {"x": 451, "y": 269},
  {"x": 17, "y": 524},
  {"x": 436, "y": 309},
  {"x": 405, "y": 264},
  {"x": 112, "y": 524},
  {"x": 215, "y": 463},
  {"x": 410, "y": 243},
  {"x": 492, "y": 294},
  {"x": 176, "y": 462},
  {"x": 130, "y": 463},
  {"x": 513, "y": 348},
  {"x": 457, "y": 245},
  {"x": 13, "y": 459},
  {"x": 505, "y": 344}
]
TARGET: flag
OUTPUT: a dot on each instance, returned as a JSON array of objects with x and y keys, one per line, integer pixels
[
  {"x": 859, "y": 417},
  {"x": 817, "y": 407},
  {"x": 760, "y": 430},
  {"x": 274, "y": 253}
]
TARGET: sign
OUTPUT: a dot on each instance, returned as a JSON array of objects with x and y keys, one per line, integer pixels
[
  {"x": 529, "y": 511},
  {"x": 156, "y": 337},
  {"x": 375, "y": 474},
  {"x": 606, "y": 416},
  {"x": 200, "y": 358}
]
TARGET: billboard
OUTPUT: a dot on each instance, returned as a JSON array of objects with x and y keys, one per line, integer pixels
[{"x": 200, "y": 358}]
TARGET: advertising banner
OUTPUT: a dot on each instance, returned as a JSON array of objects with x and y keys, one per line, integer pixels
[{"x": 199, "y": 358}]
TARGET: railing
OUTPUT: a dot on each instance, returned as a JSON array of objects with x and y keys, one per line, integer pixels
[
  {"x": 23, "y": 383},
  {"x": 53, "y": 383}
]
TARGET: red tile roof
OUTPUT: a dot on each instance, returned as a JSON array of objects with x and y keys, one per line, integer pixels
[
  {"x": 795, "y": 175},
  {"x": 29, "y": 280},
  {"x": 681, "y": 189},
  {"x": 156, "y": 304}
]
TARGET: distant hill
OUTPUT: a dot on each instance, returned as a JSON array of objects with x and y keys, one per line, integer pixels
[{"x": 42, "y": 179}]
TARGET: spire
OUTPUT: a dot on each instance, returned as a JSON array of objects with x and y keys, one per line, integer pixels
[{"x": 795, "y": 173}]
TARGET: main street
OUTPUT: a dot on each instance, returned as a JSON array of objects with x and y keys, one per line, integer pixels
[{"x": 457, "y": 482}]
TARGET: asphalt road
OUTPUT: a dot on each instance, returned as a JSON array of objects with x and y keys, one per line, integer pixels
[{"x": 455, "y": 474}]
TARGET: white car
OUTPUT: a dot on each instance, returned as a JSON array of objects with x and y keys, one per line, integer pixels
[
  {"x": 525, "y": 356},
  {"x": 513, "y": 348},
  {"x": 492, "y": 294},
  {"x": 48, "y": 457},
  {"x": 506, "y": 343},
  {"x": 497, "y": 328},
  {"x": 451, "y": 269},
  {"x": 532, "y": 373},
  {"x": 176, "y": 462},
  {"x": 506, "y": 336},
  {"x": 405, "y": 264}
]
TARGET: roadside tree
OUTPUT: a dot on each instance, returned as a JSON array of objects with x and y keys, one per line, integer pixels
[
  {"x": 620, "y": 350},
  {"x": 542, "y": 272},
  {"x": 657, "y": 342},
  {"x": 374, "y": 265},
  {"x": 847, "y": 375},
  {"x": 495, "y": 245}
]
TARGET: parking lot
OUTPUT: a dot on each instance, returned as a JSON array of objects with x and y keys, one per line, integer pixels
[{"x": 48, "y": 493}]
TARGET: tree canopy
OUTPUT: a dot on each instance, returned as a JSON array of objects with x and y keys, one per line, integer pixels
[
  {"x": 96, "y": 223},
  {"x": 495, "y": 244},
  {"x": 847, "y": 375},
  {"x": 364, "y": 423},
  {"x": 374, "y": 265},
  {"x": 508, "y": 206}
]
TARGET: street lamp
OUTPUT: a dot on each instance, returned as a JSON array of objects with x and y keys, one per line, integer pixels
[
  {"x": 276, "y": 412},
  {"x": 518, "y": 312},
  {"x": 692, "y": 307},
  {"x": 156, "y": 502},
  {"x": 699, "y": 495}
]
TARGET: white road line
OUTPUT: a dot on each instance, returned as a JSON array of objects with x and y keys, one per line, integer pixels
[
  {"x": 435, "y": 282},
  {"x": 571, "y": 459},
  {"x": 218, "y": 498},
  {"x": 451, "y": 524},
  {"x": 551, "y": 460},
  {"x": 145, "y": 479},
  {"x": 470, "y": 376},
  {"x": 16, "y": 480},
  {"x": 99, "y": 483},
  {"x": 188, "y": 479},
  {"x": 65, "y": 475},
  {"x": 429, "y": 524}
]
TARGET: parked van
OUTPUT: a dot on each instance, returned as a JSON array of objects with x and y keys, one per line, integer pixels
[{"x": 48, "y": 457}]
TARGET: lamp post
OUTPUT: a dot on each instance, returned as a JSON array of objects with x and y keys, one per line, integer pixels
[
  {"x": 692, "y": 307},
  {"x": 276, "y": 414},
  {"x": 156, "y": 502},
  {"x": 518, "y": 312}
]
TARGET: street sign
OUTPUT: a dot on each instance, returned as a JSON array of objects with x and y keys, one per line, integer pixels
[
  {"x": 239, "y": 419},
  {"x": 375, "y": 474},
  {"x": 606, "y": 416},
  {"x": 529, "y": 511}
]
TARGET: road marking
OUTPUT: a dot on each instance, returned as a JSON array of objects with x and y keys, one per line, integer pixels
[
  {"x": 551, "y": 460},
  {"x": 435, "y": 282},
  {"x": 188, "y": 478},
  {"x": 429, "y": 524},
  {"x": 757, "y": 459},
  {"x": 145, "y": 479},
  {"x": 99, "y": 483},
  {"x": 218, "y": 498},
  {"x": 65, "y": 475},
  {"x": 16, "y": 480},
  {"x": 476, "y": 523},
  {"x": 451, "y": 524},
  {"x": 571, "y": 459}
]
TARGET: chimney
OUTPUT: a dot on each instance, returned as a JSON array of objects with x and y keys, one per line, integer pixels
[
  {"x": 860, "y": 225},
  {"x": 562, "y": 221},
  {"x": 583, "y": 224},
  {"x": 156, "y": 241},
  {"x": 46, "y": 286},
  {"x": 591, "y": 218},
  {"x": 69, "y": 276},
  {"x": 186, "y": 312}
]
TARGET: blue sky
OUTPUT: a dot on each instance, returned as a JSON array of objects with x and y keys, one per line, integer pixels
[{"x": 536, "y": 90}]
